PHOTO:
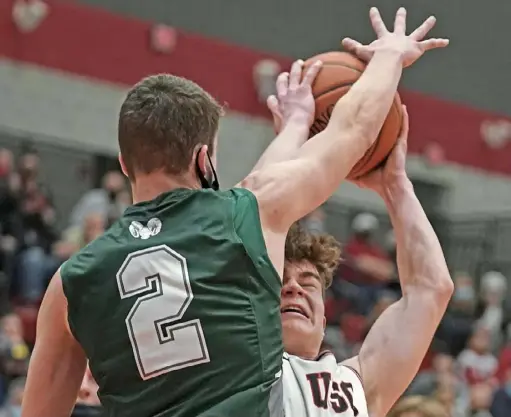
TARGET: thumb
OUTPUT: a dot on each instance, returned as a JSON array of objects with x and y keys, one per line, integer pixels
[
  {"x": 403, "y": 135},
  {"x": 273, "y": 104}
]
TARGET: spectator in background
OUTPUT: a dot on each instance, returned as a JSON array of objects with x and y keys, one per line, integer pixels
[
  {"x": 35, "y": 265},
  {"x": 481, "y": 396},
  {"x": 77, "y": 237},
  {"x": 315, "y": 221},
  {"x": 490, "y": 309},
  {"x": 418, "y": 406},
  {"x": 501, "y": 405},
  {"x": 12, "y": 408},
  {"x": 10, "y": 220},
  {"x": 364, "y": 253},
  {"x": 477, "y": 363},
  {"x": 14, "y": 352},
  {"x": 457, "y": 324},
  {"x": 108, "y": 201},
  {"x": 443, "y": 382}
]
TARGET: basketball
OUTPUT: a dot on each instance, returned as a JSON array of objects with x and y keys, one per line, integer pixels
[{"x": 339, "y": 72}]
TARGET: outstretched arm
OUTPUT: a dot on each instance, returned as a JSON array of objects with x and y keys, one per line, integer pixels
[
  {"x": 397, "y": 342},
  {"x": 289, "y": 190},
  {"x": 58, "y": 362}
]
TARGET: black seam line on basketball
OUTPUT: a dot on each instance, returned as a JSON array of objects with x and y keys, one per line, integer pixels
[
  {"x": 336, "y": 64},
  {"x": 333, "y": 89}
]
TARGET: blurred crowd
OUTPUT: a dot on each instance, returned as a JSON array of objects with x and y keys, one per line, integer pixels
[
  {"x": 32, "y": 248},
  {"x": 467, "y": 372}
]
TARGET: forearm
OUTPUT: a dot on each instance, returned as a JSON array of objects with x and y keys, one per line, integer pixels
[
  {"x": 285, "y": 145},
  {"x": 420, "y": 259},
  {"x": 366, "y": 105}
]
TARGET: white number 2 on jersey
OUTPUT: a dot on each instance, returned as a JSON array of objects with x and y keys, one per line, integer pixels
[{"x": 158, "y": 277}]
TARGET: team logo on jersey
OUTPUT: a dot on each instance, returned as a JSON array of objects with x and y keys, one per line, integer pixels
[{"x": 139, "y": 231}]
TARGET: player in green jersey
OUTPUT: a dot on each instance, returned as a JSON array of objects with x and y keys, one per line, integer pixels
[{"x": 176, "y": 306}]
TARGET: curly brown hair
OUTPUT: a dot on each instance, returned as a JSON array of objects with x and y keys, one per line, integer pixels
[{"x": 321, "y": 250}]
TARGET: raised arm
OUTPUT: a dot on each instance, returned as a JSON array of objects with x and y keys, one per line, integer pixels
[
  {"x": 58, "y": 362},
  {"x": 397, "y": 342},
  {"x": 289, "y": 190},
  {"x": 293, "y": 113}
]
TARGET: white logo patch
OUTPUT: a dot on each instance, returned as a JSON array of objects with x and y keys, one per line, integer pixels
[{"x": 139, "y": 231}]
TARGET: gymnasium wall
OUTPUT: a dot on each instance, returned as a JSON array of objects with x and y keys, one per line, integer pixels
[
  {"x": 79, "y": 112},
  {"x": 300, "y": 28}
]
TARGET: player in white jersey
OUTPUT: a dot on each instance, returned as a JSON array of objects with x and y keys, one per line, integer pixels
[{"x": 366, "y": 385}]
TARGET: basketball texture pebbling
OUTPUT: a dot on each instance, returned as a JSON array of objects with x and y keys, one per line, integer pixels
[{"x": 339, "y": 72}]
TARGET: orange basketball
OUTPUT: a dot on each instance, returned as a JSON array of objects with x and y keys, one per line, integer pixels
[{"x": 339, "y": 72}]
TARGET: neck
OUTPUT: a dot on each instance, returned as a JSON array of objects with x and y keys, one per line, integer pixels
[{"x": 149, "y": 186}]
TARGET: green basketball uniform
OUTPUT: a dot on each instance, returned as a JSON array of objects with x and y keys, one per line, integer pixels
[{"x": 177, "y": 309}]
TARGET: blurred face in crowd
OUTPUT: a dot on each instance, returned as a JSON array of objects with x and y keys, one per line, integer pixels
[
  {"x": 481, "y": 396},
  {"x": 480, "y": 341},
  {"x": 5, "y": 161},
  {"x": 446, "y": 393},
  {"x": 443, "y": 363},
  {"x": 94, "y": 226},
  {"x": 113, "y": 182},
  {"x": 12, "y": 327},
  {"x": 302, "y": 309},
  {"x": 28, "y": 165},
  {"x": 464, "y": 296}
]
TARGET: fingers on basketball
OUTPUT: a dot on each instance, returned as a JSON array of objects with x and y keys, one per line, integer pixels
[
  {"x": 296, "y": 73},
  {"x": 311, "y": 73},
  {"x": 282, "y": 83}
]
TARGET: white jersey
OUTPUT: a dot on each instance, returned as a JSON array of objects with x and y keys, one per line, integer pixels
[{"x": 321, "y": 388}]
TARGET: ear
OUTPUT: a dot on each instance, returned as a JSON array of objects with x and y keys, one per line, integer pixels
[
  {"x": 123, "y": 166},
  {"x": 202, "y": 156},
  {"x": 324, "y": 322}
]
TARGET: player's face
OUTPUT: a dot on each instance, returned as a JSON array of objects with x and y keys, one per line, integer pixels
[{"x": 302, "y": 310}]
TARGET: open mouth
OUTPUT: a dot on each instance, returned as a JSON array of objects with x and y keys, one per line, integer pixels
[{"x": 294, "y": 309}]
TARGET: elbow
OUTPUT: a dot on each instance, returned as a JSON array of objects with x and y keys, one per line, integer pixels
[
  {"x": 445, "y": 288},
  {"x": 442, "y": 290}
]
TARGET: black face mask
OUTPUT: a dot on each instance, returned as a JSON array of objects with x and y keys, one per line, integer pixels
[{"x": 207, "y": 183}]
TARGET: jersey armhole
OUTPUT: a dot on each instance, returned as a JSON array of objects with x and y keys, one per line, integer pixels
[
  {"x": 259, "y": 254},
  {"x": 65, "y": 289},
  {"x": 355, "y": 372}
]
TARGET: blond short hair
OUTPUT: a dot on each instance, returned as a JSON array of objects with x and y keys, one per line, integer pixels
[{"x": 423, "y": 406}]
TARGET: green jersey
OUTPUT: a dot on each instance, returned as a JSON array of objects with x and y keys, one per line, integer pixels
[{"x": 177, "y": 308}]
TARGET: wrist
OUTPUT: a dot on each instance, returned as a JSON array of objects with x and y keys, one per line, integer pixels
[
  {"x": 297, "y": 122},
  {"x": 389, "y": 53},
  {"x": 393, "y": 192}
]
